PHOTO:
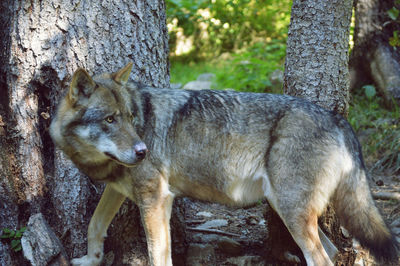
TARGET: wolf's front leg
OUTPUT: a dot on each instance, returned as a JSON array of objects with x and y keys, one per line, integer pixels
[
  {"x": 108, "y": 206},
  {"x": 156, "y": 213}
]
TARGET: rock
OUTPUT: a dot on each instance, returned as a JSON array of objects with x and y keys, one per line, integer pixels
[
  {"x": 252, "y": 220},
  {"x": 205, "y": 214},
  {"x": 206, "y": 238},
  {"x": 363, "y": 256},
  {"x": 359, "y": 262},
  {"x": 175, "y": 85},
  {"x": 198, "y": 85},
  {"x": 246, "y": 261},
  {"x": 261, "y": 222},
  {"x": 345, "y": 233},
  {"x": 213, "y": 224},
  {"x": 224, "y": 244},
  {"x": 199, "y": 255},
  {"x": 276, "y": 79},
  {"x": 206, "y": 77},
  {"x": 40, "y": 245},
  {"x": 229, "y": 246}
]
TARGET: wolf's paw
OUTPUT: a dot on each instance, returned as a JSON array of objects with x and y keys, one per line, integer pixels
[{"x": 86, "y": 261}]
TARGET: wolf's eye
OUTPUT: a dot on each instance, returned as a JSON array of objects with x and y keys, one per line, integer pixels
[{"x": 110, "y": 119}]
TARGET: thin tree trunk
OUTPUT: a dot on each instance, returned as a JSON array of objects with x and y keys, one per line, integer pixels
[
  {"x": 316, "y": 64},
  {"x": 316, "y": 68},
  {"x": 42, "y": 43}
]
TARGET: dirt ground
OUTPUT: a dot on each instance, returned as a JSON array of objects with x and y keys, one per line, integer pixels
[{"x": 382, "y": 182}]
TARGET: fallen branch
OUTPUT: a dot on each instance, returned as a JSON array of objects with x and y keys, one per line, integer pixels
[
  {"x": 212, "y": 231},
  {"x": 383, "y": 195},
  {"x": 199, "y": 221}
]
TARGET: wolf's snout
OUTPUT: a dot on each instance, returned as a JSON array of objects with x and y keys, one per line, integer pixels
[{"x": 140, "y": 150}]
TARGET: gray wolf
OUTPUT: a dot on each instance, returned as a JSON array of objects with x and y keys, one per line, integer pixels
[{"x": 151, "y": 145}]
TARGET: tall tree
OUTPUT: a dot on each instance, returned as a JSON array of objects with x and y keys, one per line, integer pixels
[
  {"x": 316, "y": 68},
  {"x": 42, "y": 43},
  {"x": 374, "y": 59}
]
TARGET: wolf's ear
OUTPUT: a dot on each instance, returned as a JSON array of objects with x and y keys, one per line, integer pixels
[
  {"x": 122, "y": 75},
  {"x": 82, "y": 85}
]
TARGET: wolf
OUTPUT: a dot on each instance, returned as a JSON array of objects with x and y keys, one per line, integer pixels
[{"x": 151, "y": 145}]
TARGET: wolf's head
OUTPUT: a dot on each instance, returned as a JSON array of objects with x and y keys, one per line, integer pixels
[{"x": 94, "y": 121}]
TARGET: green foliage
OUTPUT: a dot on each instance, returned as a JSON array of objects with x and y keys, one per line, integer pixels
[
  {"x": 379, "y": 129},
  {"x": 395, "y": 40},
  {"x": 394, "y": 15},
  {"x": 250, "y": 70},
  {"x": 218, "y": 26},
  {"x": 245, "y": 71},
  {"x": 370, "y": 91},
  {"x": 14, "y": 236}
]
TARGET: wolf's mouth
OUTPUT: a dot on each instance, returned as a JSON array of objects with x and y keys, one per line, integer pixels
[{"x": 112, "y": 157}]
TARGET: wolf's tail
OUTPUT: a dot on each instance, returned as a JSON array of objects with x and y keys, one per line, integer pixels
[{"x": 358, "y": 214}]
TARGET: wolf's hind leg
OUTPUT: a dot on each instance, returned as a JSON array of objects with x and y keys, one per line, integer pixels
[
  {"x": 303, "y": 226},
  {"x": 108, "y": 206}
]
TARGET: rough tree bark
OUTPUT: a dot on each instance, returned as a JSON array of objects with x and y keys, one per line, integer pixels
[
  {"x": 373, "y": 60},
  {"x": 316, "y": 64},
  {"x": 316, "y": 68},
  {"x": 42, "y": 43}
]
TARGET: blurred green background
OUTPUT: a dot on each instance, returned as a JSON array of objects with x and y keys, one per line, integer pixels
[{"x": 242, "y": 42}]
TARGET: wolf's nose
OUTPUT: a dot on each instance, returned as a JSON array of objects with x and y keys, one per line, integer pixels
[{"x": 140, "y": 150}]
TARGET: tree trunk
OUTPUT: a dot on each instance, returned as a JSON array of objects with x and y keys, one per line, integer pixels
[
  {"x": 316, "y": 68},
  {"x": 42, "y": 43},
  {"x": 373, "y": 60},
  {"x": 317, "y": 53}
]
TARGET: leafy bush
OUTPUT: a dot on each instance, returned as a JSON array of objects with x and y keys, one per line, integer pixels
[
  {"x": 394, "y": 15},
  {"x": 379, "y": 129},
  {"x": 14, "y": 236},
  {"x": 218, "y": 26}
]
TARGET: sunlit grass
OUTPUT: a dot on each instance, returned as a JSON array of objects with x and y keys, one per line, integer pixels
[
  {"x": 182, "y": 72},
  {"x": 248, "y": 70}
]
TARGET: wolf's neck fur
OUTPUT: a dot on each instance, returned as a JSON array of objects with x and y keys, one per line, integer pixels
[{"x": 106, "y": 171}]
